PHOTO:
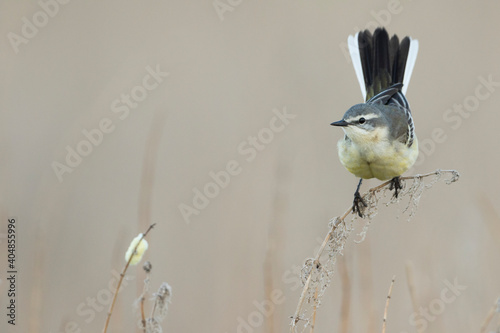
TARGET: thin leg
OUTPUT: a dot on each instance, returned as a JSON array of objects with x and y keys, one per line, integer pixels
[
  {"x": 396, "y": 186},
  {"x": 358, "y": 200}
]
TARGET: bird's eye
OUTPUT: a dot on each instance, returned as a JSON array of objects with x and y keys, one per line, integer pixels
[{"x": 362, "y": 120}]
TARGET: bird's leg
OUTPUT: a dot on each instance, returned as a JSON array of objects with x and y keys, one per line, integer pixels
[
  {"x": 357, "y": 200},
  {"x": 396, "y": 186}
]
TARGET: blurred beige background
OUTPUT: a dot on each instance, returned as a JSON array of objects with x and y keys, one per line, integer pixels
[{"x": 227, "y": 72}]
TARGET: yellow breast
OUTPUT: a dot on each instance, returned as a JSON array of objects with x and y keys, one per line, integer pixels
[{"x": 379, "y": 159}]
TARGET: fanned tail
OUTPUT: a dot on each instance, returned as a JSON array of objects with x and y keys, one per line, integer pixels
[{"x": 380, "y": 62}]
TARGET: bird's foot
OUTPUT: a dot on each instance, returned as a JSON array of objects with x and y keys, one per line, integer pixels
[
  {"x": 356, "y": 204},
  {"x": 396, "y": 186}
]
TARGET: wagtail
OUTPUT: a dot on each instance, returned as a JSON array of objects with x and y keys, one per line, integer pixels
[{"x": 380, "y": 140}]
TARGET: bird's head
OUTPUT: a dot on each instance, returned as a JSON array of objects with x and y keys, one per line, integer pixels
[{"x": 364, "y": 122}]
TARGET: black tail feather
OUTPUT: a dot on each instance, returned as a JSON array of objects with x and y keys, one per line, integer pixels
[
  {"x": 383, "y": 60},
  {"x": 365, "y": 52},
  {"x": 381, "y": 65},
  {"x": 400, "y": 61},
  {"x": 393, "y": 54}
]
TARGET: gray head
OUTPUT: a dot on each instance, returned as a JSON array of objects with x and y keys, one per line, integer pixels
[
  {"x": 363, "y": 122},
  {"x": 372, "y": 122}
]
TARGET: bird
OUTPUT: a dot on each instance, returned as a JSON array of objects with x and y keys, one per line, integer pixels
[{"x": 379, "y": 135}]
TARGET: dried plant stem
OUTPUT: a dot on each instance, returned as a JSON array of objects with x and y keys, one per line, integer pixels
[
  {"x": 314, "y": 311},
  {"x": 142, "y": 298},
  {"x": 335, "y": 224},
  {"x": 143, "y": 316},
  {"x": 384, "y": 321},
  {"x": 316, "y": 263},
  {"x": 434, "y": 173},
  {"x": 490, "y": 315},
  {"x": 122, "y": 275},
  {"x": 340, "y": 222}
]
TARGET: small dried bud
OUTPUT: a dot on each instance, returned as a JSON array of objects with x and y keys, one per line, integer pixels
[{"x": 147, "y": 267}]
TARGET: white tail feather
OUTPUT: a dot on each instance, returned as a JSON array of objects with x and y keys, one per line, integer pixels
[
  {"x": 352, "y": 43},
  {"x": 410, "y": 63}
]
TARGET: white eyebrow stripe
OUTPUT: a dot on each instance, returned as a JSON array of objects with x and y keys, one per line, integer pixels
[{"x": 366, "y": 116}]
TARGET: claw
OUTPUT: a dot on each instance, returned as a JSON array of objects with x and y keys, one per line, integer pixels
[
  {"x": 357, "y": 200},
  {"x": 396, "y": 186}
]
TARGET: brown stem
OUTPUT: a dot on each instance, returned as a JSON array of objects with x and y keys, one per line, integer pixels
[
  {"x": 489, "y": 316},
  {"x": 384, "y": 323},
  {"x": 122, "y": 275},
  {"x": 143, "y": 317}
]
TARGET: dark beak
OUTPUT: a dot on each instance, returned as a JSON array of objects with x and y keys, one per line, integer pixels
[{"x": 340, "y": 123}]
